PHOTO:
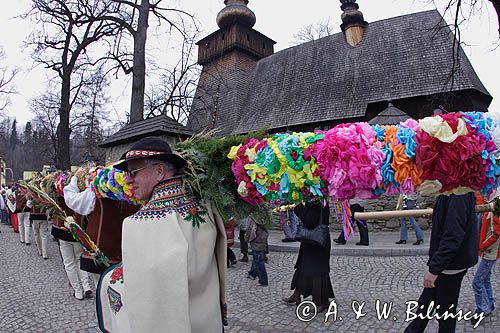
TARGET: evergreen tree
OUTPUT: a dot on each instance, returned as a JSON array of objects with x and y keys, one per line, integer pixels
[{"x": 13, "y": 139}]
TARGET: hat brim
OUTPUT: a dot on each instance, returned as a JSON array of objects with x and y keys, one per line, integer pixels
[{"x": 175, "y": 159}]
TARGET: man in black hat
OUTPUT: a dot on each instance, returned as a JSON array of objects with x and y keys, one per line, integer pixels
[{"x": 172, "y": 277}]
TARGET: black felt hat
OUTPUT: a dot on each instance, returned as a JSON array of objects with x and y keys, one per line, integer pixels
[{"x": 150, "y": 147}]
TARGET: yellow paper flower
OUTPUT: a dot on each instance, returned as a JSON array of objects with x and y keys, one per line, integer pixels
[
  {"x": 296, "y": 177},
  {"x": 256, "y": 171},
  {"x": 233, "y": 152}
]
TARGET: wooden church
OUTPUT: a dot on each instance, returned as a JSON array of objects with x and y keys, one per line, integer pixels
[
  {"x": 371, "y": 71},
  {"x": 404, "y": 62}
]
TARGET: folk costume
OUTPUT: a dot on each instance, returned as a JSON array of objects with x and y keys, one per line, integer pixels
[
  {"x": 22, "y": 212},
  {"x": 172, "y": 277},
  {"x": 104, "y": 224},
  {"x": 71, "y": 252},
  {"x": 11, "y": 205},
  {"x": 40, "y": 224}
]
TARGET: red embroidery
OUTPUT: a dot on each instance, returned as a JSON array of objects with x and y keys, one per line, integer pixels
[
  {"x": 117, "y": 275},
  {"x": 134, "y": 153}
]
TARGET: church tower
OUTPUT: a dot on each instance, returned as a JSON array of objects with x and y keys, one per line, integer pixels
[{"x": 228, "y": 56}]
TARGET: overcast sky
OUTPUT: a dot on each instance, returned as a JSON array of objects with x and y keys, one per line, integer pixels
[{"x": 277, "y": 19}]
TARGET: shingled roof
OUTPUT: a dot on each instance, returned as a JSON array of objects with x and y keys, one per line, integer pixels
[
  {"x": 328, "y": 79},
  {"x": 160, "y": 125}
]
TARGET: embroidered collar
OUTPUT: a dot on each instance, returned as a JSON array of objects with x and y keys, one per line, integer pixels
[
  {"x": 168, "y": 189},
  {"x": 170, "y": 197}
]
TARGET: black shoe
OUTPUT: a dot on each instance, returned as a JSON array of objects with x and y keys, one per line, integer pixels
[
  {"x": 233, "y": 262},
  {"x": 339, "y": 242},
  {"x": 364, "y": 244},
  {"x": 476, "y": 319},
  {"x": 292, "y": 300},
  {"x": 244, "y": 259},
  {"x": 402, "y": 241},
  {"x": 321, "y": 308},
  {"x": 88, "y": 293},
  {"x": 418, "y": 242},
  {"x": 28, "y": 243}
]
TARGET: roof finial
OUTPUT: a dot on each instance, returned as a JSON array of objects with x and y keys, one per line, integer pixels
[
  {"x": 353, "y": 25},
  {"x": 236, "y": 11}
]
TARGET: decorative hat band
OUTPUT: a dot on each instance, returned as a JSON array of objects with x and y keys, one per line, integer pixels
[{"x": 136, "y": 153}]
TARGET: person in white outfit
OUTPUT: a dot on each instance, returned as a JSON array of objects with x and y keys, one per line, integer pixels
[
  {"x": 40, "y": 229},
  {"x": 71, "y": 251},
  {"x": 17, "y": 201},
  {"x": 81, "y": 202},
  {"x": 79, "y": 280}
]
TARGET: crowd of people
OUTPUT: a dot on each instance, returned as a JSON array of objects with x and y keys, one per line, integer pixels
[
  {"x": 178, "y": 248},
  {"x": 33, "y": 224}
]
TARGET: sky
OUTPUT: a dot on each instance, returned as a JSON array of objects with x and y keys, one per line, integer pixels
[{"x": 277, "y": 19}]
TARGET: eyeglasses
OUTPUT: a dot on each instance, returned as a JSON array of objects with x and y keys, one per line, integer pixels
[{"x": 133, "y": 173}]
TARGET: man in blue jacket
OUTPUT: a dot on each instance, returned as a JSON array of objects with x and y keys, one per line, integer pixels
[{"x": 453, "y": 249}]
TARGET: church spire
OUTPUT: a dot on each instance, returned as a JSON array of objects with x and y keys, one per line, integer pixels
[
  {"x": 353, "y": 25},
  {"x": 236, "y": 11}
]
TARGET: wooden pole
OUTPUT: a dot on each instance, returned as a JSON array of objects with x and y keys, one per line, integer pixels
[{"x": 396, "y": 214}]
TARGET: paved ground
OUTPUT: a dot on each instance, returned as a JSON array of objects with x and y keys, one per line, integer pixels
[
  {"x": 35, "y": 295},
  {"x": 382, "y": 244}
]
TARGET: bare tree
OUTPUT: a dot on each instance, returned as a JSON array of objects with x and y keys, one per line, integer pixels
[
  {"x": 313, "y": 31},
  {"x": 87, "y": 115},
  {"x": 134, "y": 18},
  {"x": 6, "y": 85},
  {"x": 65, "y": 30},
  {"x": 174, "y": 94},
  {"x": 460, "y": 12},
  {"x": 91, "y": 105},
  {"x": 45, "y": 108}
]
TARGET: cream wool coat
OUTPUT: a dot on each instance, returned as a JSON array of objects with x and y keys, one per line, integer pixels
[{"x": 174, "y": 271}]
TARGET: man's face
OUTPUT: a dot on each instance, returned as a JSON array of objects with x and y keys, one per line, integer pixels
[{"x": 144, "y": 180}]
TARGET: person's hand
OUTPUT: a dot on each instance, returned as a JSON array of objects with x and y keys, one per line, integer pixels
[{"x": 429, "y": 280}]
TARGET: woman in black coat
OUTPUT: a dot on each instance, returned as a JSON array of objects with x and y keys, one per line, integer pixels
[{"x": 312, "y": 269}]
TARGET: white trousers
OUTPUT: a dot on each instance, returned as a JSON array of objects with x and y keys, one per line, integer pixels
[
  {"x": 71, "y": 251},
  {"x": 41, "y": 234},
  {"x": 24, "y": 226}
]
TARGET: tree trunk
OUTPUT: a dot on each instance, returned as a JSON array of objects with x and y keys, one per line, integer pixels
[
  {"x": 139, "y": 66},
  {"x": 63, "y": 132}
]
